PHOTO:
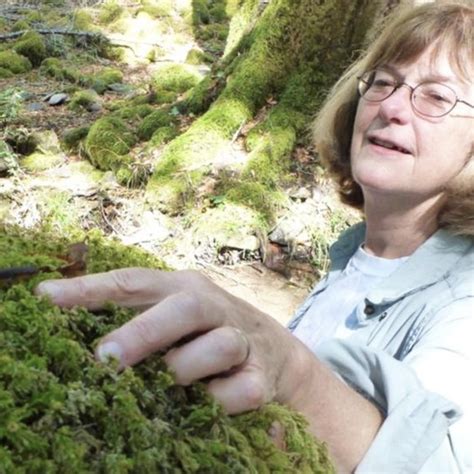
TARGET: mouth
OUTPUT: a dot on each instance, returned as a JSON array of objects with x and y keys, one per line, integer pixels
[{"x": 389, "y": 145}]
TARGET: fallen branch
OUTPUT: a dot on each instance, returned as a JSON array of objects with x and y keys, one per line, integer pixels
[{"x": 43, "y": 31}]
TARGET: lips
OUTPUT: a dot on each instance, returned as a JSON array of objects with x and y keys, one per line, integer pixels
[{"x": 389, "y": 144}]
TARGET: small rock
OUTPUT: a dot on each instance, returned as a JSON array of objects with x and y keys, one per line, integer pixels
[
  {"x": 58, "y": 99},
  {"x": 120, "y": 88},
  {"x": 242, "y": 242},
  {"x": 300, "y": 193},
  {"x": 94, "y": 107},
  {"x": 34, "y": 107}
]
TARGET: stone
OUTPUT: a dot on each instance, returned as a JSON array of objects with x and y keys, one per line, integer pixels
[
  {"x": 34, "y": 107},
  {"x": 45, "y": 141},
  {"x": 58, "y": 99}
]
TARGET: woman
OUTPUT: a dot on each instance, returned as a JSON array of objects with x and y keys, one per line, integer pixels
[{"x": 381, "y": 357}]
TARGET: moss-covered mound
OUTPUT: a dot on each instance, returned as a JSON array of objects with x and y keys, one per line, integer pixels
[
  {"x": 14, "y": 62},
  {"x": 108, "y": 143},
  {"x": 60, "y": 411},
  {"x": 32, "y": 46}
]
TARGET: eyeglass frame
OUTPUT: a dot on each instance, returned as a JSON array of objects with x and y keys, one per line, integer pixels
[{"x": 399, "y": 84}]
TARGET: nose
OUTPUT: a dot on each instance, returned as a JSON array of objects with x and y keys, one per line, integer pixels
[{"x": 397, "y": 107}]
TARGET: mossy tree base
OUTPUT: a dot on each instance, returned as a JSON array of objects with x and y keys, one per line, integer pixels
[{"x": 288, "y": 53}]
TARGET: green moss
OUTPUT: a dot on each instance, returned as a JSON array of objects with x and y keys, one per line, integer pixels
[
  {"x": 175, "y": 78},
  {"x": 152, "y": 122},
  {"x": 20, "y": 25},
  {"x": 163, "y": 135},
  {"x": 83, "y": 20},
  {"x": 73, "y": 137},
  {"x": 133, "y": 112},
  {"x": 32, "y": 46},
  {"x": 108, "y": 143},
  {"x": 227, "y": 221},
  {"x": 196, "y": 57},
  {"x": 14, "y": 62},
  {"x": 63, "y": 412},
  {"x": 83, "y": 100},
  {"x": 5, "y": 73},
  {"x": 157, "y": 9},
  {"x": 53, "y": 67},
  {"x": 34, "y": 16},
  {"x": 100, "y": 82},
  {"x": 200, "y": 97},
  {"x": 256, "y": 196},
  {"x": 110, "y": 11},
  {"x": 38, "y": 161}
]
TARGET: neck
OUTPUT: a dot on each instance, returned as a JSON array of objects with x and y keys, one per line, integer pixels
[{"x": 397, "y": 230}]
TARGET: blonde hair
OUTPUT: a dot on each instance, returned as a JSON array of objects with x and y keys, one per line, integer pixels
[{"x": 405, "y": 35}]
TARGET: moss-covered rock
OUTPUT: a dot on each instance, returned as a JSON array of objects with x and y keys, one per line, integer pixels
[
  {"x": 73, "y": 137},
  {"x": 108, "y": 143},
  {"x": 106, "y": 77},
  {"x": 134, "y": 112},
  {"x": 80, "y": 416},
  {"x": 14, "y": 62},
  {"x": 39, "y": 161},
  {"x": 152, "y": 122},
  {"x": 196, "y": 57},
  {"x": 32, "y": 46},
  {"x": 175, "y": 78},
  {"x": 85, "y": 99}
]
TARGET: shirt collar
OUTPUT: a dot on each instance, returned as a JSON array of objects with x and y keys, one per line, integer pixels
[{"x": 427, "y": 265}]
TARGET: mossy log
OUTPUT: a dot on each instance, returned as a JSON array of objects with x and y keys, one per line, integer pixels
[
  {"x": 60, "y": 411},
  {"x": 290, "y": 52}
]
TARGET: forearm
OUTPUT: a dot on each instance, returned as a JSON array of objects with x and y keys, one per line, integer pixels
[{"x": 336, "y": 413}]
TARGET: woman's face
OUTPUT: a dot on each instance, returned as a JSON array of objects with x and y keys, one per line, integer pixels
[{"x": 430, "y": 151}]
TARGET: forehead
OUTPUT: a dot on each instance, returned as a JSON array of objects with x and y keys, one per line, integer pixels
[{"x": 437, "y": 64}]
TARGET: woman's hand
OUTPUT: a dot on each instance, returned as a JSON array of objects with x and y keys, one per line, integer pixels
[{"x": 246, "y": 357}]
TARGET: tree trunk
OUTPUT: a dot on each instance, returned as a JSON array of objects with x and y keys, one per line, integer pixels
[{"x": 281, "y": 58}]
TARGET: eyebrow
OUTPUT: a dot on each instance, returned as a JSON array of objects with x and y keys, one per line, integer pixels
[{"x": 432, "y": 77}]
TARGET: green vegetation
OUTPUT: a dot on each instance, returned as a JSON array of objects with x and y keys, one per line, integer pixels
[
  {"x": 32, "y": 46},
  {"x": 40, "y": 161},
  {"x": 63, "y": 412},
  {"x": 107, "y": 76},
  {"x": 83, "y": 100},
  {"x": 175, "y": 78},
  {"x": 108, "y": 143},
  {"x": 14, "y": 62},
  {"x": 153, "y": 122},
  {"x": 10, "y": 104},
  {"x": 110, "y": 12},
  {"x": 73, "y": 137}
]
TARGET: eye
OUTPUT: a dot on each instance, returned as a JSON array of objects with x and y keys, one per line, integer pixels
[
  {"x": 437, "y": 94},
  {"x": 382, "y": 83}
]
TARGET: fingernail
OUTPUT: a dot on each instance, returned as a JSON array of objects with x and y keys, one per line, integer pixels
[
  {"x": 53, "y": 290},
  {"x": 109, "y": 350}
]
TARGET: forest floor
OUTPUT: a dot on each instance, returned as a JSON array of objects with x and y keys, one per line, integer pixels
[{"x": 69, "y": 192}]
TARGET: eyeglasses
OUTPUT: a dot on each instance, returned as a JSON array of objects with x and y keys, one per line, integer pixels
[{"x": 431, "y": 99}]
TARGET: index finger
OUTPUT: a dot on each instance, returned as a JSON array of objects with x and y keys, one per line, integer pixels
[
  {"x": 178, "y": 315},
  {"x": 129, "y": 287}
]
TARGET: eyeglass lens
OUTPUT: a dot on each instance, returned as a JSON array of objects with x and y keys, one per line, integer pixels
[{"x": 428, "y": 98}]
